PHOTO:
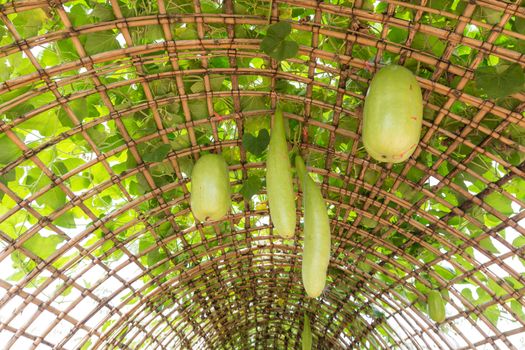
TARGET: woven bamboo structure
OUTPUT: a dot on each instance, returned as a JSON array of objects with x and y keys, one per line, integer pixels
[{"x": 105, "y": 105}]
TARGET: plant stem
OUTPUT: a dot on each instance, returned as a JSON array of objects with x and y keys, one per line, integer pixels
[{"x": 270, "y": 11}]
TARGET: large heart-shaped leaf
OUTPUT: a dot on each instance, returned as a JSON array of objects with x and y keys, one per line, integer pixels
[
  {"x": 251, "y": 186},
  {"x": 9, "y": 152},
  {"x": 519, "y": 25},
  {"x": 279, "y": 30},
  {"x": 275, "y": 44},
  {"x": 41, "y": 246},
  {"x": 100, "y": 42},
  {"x": 501, "y": 80},
  {"x": 157, "y": 154},
  {"x": 285, "y": 49},
  {"x": 256, "y": 145}
]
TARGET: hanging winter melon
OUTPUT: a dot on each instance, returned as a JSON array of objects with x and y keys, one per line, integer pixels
[
  {"x": 210, "y": 188},
  {"x": 316, "y": 251},
  {"x": 392, "y": 115},
  {"x": 436, "y": 306}
]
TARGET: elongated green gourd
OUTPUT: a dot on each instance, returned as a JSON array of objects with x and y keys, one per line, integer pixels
[
  {"x": 279, "y": 182},
  {"x": 392, "y": 115},
  {"x": 316, "y": 250},
  {"x": 210, "y": 188},
  {"x": 436, "y": 306},
  {"x": 306, "y": 336}
]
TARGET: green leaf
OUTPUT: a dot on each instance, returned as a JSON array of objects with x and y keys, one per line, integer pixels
[
  {"x": 29, "y": 23},
  {"x": 467, "y": 294},
  {"x": 86, "y": 345},
  {"x": 514, "y": 283},
  {"x": 41, "y": 246},
  {"x": 252, "y": 103},
  {"x": 371, "y": 176},
  {"x": 103, "y": 12},
  {"x": 488, "y": 245},
  {"x": 106, "y": 246},
  {"x": 492, "y": 314},
  {"x": 491, "y": 16},
  {"x": 501, "y": 80},
  {"x": 59, "y": 168},
  {"x": 428, "y": 43},
  {"x": 55, "y": 198},
  {"x": 364, "y": 267},
  {"x": 144, "y": 243},
  {"x": 367, "y": 222},
  {"x": 495, "y": 286},
  {"x": 197, "y": 87},
  {"x": 17, "y": 276},
  {"x": 517, "y": 308},
  {"x": 256, "y": 145},
  {"x": 5, "y": 72},
  {"x": 3, "y": 32},
  {"x": 80, "y": 108},
  {"x": 209, "y": 6},
  {"x": 101, "y": 42},
  {"x": 185, "y": 33},
  {"x": 519, "y": 25},
  {"x": 185, "y": 165},
  {"x": 142, "y": 184},
  {"x": 109, "y": 322},
  {"x": 381, "y": 7},
  {"x": 279, "y": 49},
  {"x": 279, "y": 30},
  {"x": 66, "y": 291},
  {"x": 79, "y": 16},
  {"x": 269, "y": 43},
  {"x": 66, "y": 50},
  {"x": 251, "y": 186},
  {"x": 446, "y": 273},
  {"x": 152, "y": 33},
  {"x": 66, "y": 220},
  {"x": 157, "y": 154},
  {"x": 8, "y": 177},
  {"x": 198, "y": 109},
  {"x": 215, "y": 82},
  {"x": 98, "y": 134},
  {"x": 519, "y": 242},
  {"x": 285, "y": 49},
  {"x": 275, "y": 45},
  {"x": 155, "y": 256},
  {"x": 397, "y": 35},
  {"x": 9, "y": 151},
  {"x": 500, "y": 203},
  {"x": 45, "y": 123}
]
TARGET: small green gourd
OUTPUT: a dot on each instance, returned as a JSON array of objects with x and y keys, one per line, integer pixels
[
  {"x": 436, "y": 306},
  {"x": 306, "y": 336},
  {"x": 279, "y": 180}
]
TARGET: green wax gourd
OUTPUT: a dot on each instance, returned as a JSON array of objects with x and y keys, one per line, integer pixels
[
  {"x": 279, "y": 180},
  {"x": 210, "y": 188},
  {"x": 436, "y": 306},
  {"x": 306, "y": 336},
  {"x": 316, "y": 251},
  {"x": 392, "y": 115}
]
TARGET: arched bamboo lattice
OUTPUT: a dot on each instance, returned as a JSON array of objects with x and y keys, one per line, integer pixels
[{"x": 105, "y": 105}]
